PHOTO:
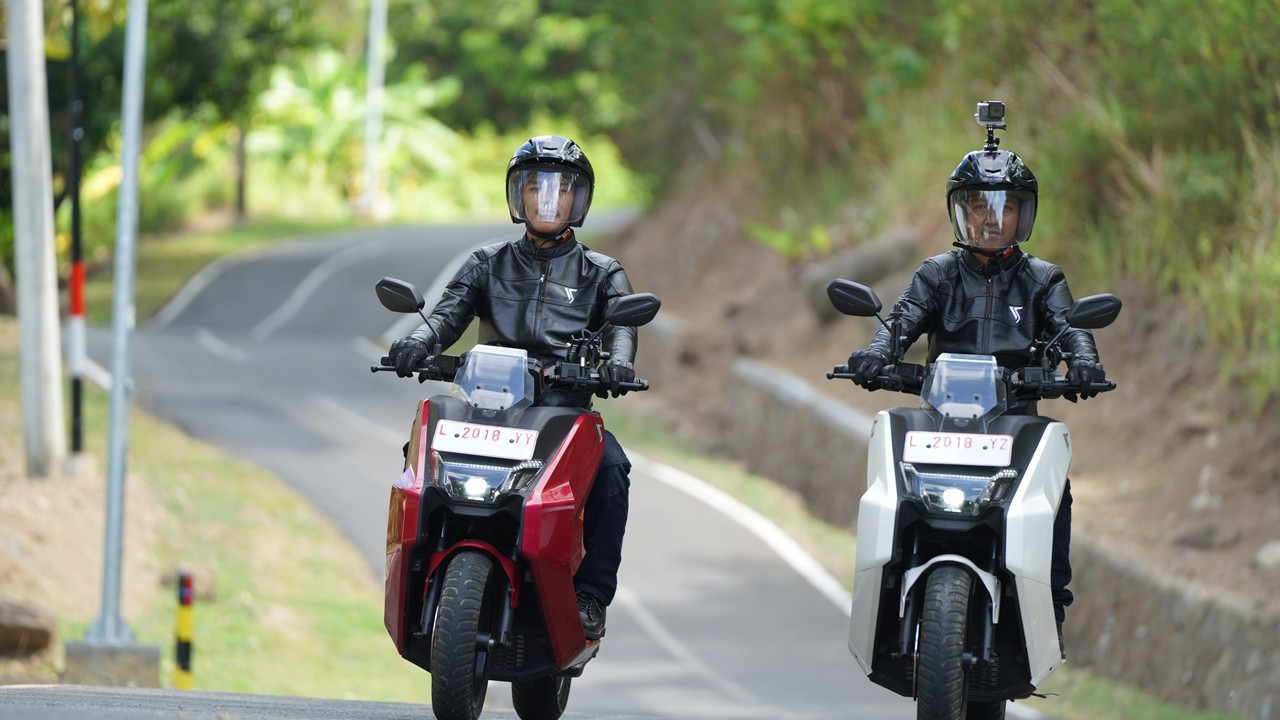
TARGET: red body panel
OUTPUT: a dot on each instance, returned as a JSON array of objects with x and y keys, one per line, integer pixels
[
  {"x": 402, "y": 534},
  {"x": 552, "y": 533}
]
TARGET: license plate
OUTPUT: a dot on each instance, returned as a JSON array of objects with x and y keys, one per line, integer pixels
[
  {"x": 946, "y": 448},
  {"x": 487, "y": 440}
]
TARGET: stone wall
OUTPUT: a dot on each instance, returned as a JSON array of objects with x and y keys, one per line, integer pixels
[{"x": 1177, "y": 643}]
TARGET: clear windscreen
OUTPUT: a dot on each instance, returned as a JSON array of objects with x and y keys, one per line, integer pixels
[
  {"x": 964, "y": 392},
  {"x": 494, "y": 379}
]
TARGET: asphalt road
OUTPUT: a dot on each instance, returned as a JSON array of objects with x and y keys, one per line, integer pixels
[{"x": 268, "y": 356}]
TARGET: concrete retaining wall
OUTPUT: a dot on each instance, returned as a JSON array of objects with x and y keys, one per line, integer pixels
[{"x": 1128, "y": 622}]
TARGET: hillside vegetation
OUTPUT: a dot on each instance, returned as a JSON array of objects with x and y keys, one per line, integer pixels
[{"x": 1152, "y": 129}]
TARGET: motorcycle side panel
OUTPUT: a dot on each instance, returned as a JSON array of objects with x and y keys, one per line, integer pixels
[
  {"x": 402, "y": 534},
  {"x": 877, "y": 513},
  {"x": 552, "y": 534},
  {"x": 1029, "y": 547}
]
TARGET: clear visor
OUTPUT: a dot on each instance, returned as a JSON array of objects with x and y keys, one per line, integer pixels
[
  {"x": 548, "y": 195},
  {"x": 992, "y": 219}
]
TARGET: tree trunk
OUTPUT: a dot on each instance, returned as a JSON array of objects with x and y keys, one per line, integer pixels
[
  {"x": 241, "y": 162},
  {"x": 7, "y": 304}
]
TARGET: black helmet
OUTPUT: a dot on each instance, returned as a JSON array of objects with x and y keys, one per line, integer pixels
[
  {"x": 988, "y": 188},
  {"x": 550, "y": 166}
]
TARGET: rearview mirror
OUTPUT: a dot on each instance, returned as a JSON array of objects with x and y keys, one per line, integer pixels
[
  {"x": 399, "y": 296},
  {"x": 1093, "y": 312},
  {"x": 633, "y": 310},
  {"x": 853, "y": 298}
]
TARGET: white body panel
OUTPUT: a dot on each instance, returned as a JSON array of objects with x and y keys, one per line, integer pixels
[
  {"x": 1028, "y": 547},
  {"x": 877, "y": 514},
  {"x": 1028, "y": 551}
]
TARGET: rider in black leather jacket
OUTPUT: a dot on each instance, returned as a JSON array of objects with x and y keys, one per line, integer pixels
[
  {"x": 989, "y": 297},
  {"x": 535, "y": 292}
]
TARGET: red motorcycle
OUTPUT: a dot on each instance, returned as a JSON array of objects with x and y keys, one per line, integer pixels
[{"x": 484, "y": 532}]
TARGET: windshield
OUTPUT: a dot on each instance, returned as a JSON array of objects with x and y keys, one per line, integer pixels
[
  {"x": 963, "y": 392},
  {"x": 494, "y": 380}
]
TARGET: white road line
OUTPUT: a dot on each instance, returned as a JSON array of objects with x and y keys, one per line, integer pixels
[
  {"x": 367, "y": 348},
  {"x": 373, "y": 428},
  {"x": 410, "y": 321},
  {"x": 194, "y": 286},
  {"x": 312, "y": 282},
  {"x": 678, "y": 650},
  {"x": 784, "y": 545},
  {"x": 221, "y": 348}
]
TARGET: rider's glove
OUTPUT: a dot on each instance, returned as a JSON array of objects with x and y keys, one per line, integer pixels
[
  {"x": 865, "y": 365},
  {"x": 614, "y": 374},
  {"x": 1082, "y": 373},
  {"x": 406, "y": 354}
]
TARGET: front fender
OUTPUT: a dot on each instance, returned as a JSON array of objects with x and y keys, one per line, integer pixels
[
  {"x": 989, "y": 581},
  {"x": 503, "y": 561}
]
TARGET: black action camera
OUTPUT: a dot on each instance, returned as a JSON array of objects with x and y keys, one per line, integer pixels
[{"x": 990, "y": 114}]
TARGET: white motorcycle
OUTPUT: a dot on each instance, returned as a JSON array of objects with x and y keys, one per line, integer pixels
[{"x": 951, "y": 594}]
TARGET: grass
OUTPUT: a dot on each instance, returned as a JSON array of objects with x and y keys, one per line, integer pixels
[{"x": 297, "y": 612}]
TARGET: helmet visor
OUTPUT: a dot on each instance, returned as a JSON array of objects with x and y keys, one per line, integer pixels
[
  {"x": 548, "y": 195},
  {"x": 992, "y": 219}
]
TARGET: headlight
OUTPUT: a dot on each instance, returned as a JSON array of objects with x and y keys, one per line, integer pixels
[
  {"x": 479, "y": 482},
  {"x": 960, "y": 493}
]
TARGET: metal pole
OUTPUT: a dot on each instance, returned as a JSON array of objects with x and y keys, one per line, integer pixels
[
  {"x": 110, "y": 628},
  {"x": 34, "y": 261},
  {"x": 184, "y": 629},
  {"x": 373, "y": 103},
  {"x": 76, "y": 351}
]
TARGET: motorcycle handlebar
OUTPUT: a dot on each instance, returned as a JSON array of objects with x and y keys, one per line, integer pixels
[
  {"x": 908, "y": 377},
  {"x": 561, "y": 376}
]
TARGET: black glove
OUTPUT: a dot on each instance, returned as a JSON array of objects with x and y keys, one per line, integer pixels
[
  {"x": 406, "y": 354},
  {"x": 865, "y": 365},
  {"x": 1083, "y": 372},
  {"x": 614, "y": 374}
]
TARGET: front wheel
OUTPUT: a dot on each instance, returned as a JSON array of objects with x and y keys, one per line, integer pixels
[
  {"x": 460, "y": 638},
  {"x": 542, "y": 699},
  {"x": 941, "y": 675},
  {"x": 985, "y": 711}
]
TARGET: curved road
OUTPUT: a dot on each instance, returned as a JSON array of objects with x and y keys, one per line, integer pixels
[{"x": 267, "y": 356}]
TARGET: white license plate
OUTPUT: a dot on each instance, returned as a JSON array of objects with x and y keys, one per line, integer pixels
[
  {"x": 946, "y": 448},
  {"x": 487, "y": 440}
]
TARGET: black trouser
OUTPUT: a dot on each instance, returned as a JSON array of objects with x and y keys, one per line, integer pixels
[
  {"x": 1060, "y": 569},
  {"x": 605, "y": 521}
]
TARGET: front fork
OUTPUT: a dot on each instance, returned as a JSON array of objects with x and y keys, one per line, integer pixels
[
  {"x": 982, "y": 605},
  {"x": 437, "y": 566}
]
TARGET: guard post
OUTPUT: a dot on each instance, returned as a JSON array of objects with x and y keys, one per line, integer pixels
[{"x": 185, "y": 626}]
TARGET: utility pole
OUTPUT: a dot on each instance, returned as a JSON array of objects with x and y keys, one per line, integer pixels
[
  {"x": 36, "y": 276},
  {"x": 75, "y": 284},
  {"x": 373, "y": 106},
  {"x": 109, "y": 627}
]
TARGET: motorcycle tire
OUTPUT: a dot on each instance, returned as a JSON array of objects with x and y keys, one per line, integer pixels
[
  {"x": 985, "y": 711},
  {"x": 460, "y": 655},
  {"x": 942, "y": 678},
  {"x": 544, "y": 698}
]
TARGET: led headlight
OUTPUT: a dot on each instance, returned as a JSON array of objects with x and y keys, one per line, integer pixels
[
  {"x": 478, "y": 482},
  {"x": 955, "y": 492}
]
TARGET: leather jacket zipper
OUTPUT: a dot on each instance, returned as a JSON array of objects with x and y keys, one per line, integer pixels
[
  {"x": 542, "y": 294},
  {"x": 986, "y": 325}
]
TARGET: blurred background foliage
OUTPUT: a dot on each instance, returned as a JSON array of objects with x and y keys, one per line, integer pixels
[{"x": 1152, "y": 127}]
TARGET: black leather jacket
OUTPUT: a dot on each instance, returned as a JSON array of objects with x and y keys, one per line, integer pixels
[
  {"x": 998, "y": 308},
  {"x": 534, "y": 299}
]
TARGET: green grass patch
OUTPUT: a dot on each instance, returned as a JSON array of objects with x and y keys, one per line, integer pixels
[{"x": 296, "y": 610}]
